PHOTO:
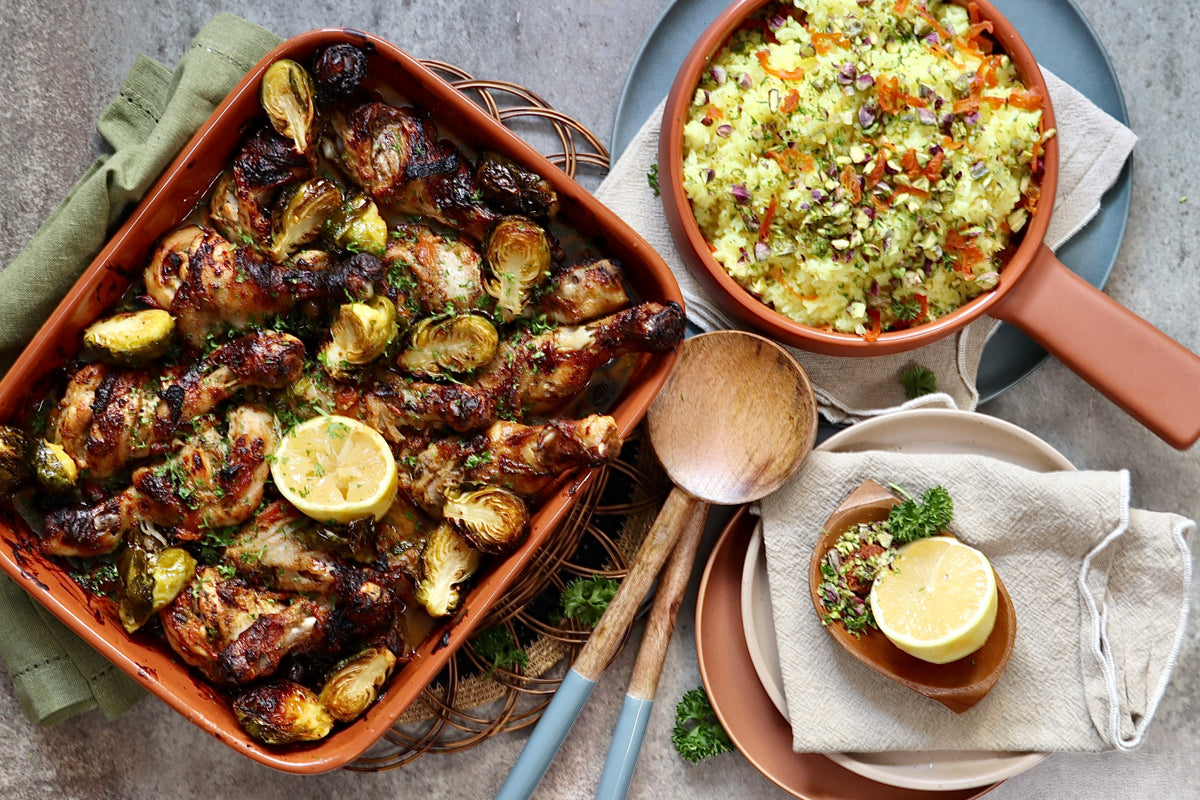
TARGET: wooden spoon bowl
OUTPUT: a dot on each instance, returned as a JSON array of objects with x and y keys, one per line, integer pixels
[{"x": 958, "y": 685}]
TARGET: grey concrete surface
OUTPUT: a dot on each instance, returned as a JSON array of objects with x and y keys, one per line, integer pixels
[{"x": 62, "y": 60}]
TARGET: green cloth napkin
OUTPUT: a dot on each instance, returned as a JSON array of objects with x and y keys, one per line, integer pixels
[{"x": 56, "y": 675}]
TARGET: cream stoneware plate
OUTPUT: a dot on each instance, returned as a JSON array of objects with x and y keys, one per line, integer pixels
[{"x": 920, "y": 431}]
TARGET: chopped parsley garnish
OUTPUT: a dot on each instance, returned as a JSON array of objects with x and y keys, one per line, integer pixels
[{"x": 918, "y": 381}]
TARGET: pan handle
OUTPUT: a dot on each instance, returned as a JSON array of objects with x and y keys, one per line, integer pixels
[{"x": 1148, "y": 374}]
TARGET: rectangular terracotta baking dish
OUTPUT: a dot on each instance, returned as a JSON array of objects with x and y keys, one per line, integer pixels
[{"x": 147, "y": 659}]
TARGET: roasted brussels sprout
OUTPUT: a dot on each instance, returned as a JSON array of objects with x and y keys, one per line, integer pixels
[
  {"x": 360, "y": 334},
  {"x": 339, "y": 70},
  {"x": 55, "y": 471},
  {"x": 514, "y": 189},
  {"x": 282, "y": 712},
  {"x": 131, "y": 339},
  {"x": 286, "y": 94},
  {"x": 15, "y": 469},
  {"x": 450, "y": 345},
  {"x": 358, "y": 226},
  {"x": 355, "y": 683},
  {"x": 151, "y": 576},
  {"x": 518, "y": 255},
  {"x": 300, "y": 216},
  {"x": 447, "y": 561},
  {"x": 492, "y": 519}
]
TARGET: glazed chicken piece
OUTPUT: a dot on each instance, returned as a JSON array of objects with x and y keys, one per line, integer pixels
[
  {"x": 209, "y": 284},
  {"x": 583, "y": 292},
  {"x": 236, "y": 633},
  {"x": 241, "y": 201},
  {"x": 215, "y": 479},
  {"x": 431, "y": 272},
  {"x": 522, "y": 458},
  {"x": 396, "y": 156},
  {"x": 110, "y": 417},
  {"x": 277, "y": 549}
]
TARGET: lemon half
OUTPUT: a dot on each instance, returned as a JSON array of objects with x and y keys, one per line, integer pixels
[
  {"x": 938, "y": 601},
  {"x": 335, "y": 469}
]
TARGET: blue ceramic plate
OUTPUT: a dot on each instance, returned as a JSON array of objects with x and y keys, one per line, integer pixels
[{"x": 1060, "y": 38}]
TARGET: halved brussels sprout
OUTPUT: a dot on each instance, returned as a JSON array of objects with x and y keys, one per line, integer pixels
[
  {"x": 360, "y": 334},
  {"x": 355, "y": 683},
  {"x": 299, "y": 217},
  {"x": 131, "y": 339},
  {"x": 450, "y": 345},
  {"x": 15, "y": 469},
  {"x": 492, "y": 519},
  {"x": 286, "y": 94},
  {"x": 514, "y": 189},
  {"x": 358, "y": 226},
  {"x": 55, "y": 471},
  {"x": 518, "y": 254},
  {"x": 151, "y": 577},
  {"x": 282, "y": 712},
  {"x": 447, "y": 561}
]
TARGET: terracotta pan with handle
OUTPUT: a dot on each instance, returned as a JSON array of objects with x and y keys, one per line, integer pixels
[{"x": 1145, "y": 372}]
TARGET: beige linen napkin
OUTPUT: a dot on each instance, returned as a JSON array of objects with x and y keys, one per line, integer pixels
[
  {"x": 1093, "y": 148},
  {"x": 1100, "y": 592}
]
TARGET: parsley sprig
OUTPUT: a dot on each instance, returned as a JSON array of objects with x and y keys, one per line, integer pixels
[
  {"x": 697, "y": 733},
  {"x": 498, "y": 647},
  {"x": 585, "y": 599},
  {"x": 914, "y": 519}
]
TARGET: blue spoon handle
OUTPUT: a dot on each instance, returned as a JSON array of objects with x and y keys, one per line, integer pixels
[
  {"x": 547, "y": 737},
  {"x": 625, "y": 747}
]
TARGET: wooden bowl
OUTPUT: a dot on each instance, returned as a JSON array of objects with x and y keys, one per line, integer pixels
[
  {"x": 169, "y": 202},
  {"x": 958, "y": 685}
]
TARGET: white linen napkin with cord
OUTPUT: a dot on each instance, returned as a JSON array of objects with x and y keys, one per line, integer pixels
[
  {"x": 1100, "y": 592},
  {"x": 1093, "y": 148}
]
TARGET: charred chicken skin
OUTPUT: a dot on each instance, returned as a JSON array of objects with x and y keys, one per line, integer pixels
[{"x": 108, "y": 417}]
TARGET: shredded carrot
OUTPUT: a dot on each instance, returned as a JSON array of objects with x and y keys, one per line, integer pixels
[
  {"x": 967, "y": 104},
  {"x": 949, "y": 143},
  {"x": 941, "y": 51},
  {"x": 790, "y": 102},
  {"x": 1030, "y": 100},
  {"x": 909, "y": 163},
  {"x": 1032, "y": 195},
  {"x": 933, "y": 170},
  {"x": 876, "y": 328},
  {"x": 807, "y": 162},
  {"x": 851, "y": 183},
  {"x": 764, "y": 57},
  {"x": 764, "y": 227},
  {"x": 900, "y": 7},
  {"x": 973, "y": 12},
  {"x": 942, "y": 33},
  {"x": 824, "y": 42},
  {"x": 904, "y": 188},
  {"x": 777, "y": 275},
  {"x": 876, "y": 174},
  {"x": 966, "y": 254}
]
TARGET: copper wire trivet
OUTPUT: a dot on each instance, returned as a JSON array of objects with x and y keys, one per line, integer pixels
[{"x": 472, "y": 700}]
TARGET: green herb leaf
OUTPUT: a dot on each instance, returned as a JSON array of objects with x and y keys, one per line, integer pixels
[
  {"x": 585, "y": 599},
  {"x": 697, "y": 733},
  {"x": 652, "y": 178},
  {"x": 918, "y": 381},
  {"x": 497, "y": 646},
  {"x": 917, "y": 519}
]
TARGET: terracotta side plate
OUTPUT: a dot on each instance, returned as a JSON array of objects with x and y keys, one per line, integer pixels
[
  {"x": 958, "y": 685},
  {"x": 168, "y": 203}
]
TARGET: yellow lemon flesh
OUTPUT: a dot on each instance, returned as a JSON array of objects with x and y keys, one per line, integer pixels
[
  {"x": 335, "y": 469},
  {"x": 938, "y": 600}
]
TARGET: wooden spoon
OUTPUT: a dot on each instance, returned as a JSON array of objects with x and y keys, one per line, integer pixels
[
  {"x": 733, "y": 421},
  {"x": 958, "y": 685}
]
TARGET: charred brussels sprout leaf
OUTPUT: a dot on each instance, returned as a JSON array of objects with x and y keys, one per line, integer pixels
[
  {"x": 300, "y": 216},
  {"x": 339, "y": 70},
  {"x": 447, "y": 562},
  {"x": 355, "y": 683},
  {"x": 360, "y": 334},
  {"x": 15, "y": 469},
  {"x": 150, "y": 579},
  {"x": 55, "y": 471},
  {"x": 286, "y": 94},
  {"x": 514, "y": 189},
  {"x": 358, "y": 227},
  {"x": 492, "y": 519},
  {"x": 282, "y": 712},
  {"x": 455, "y": 344},
  {"x": 131, "y": 339},
  {"x": 518, "y": 254}
]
